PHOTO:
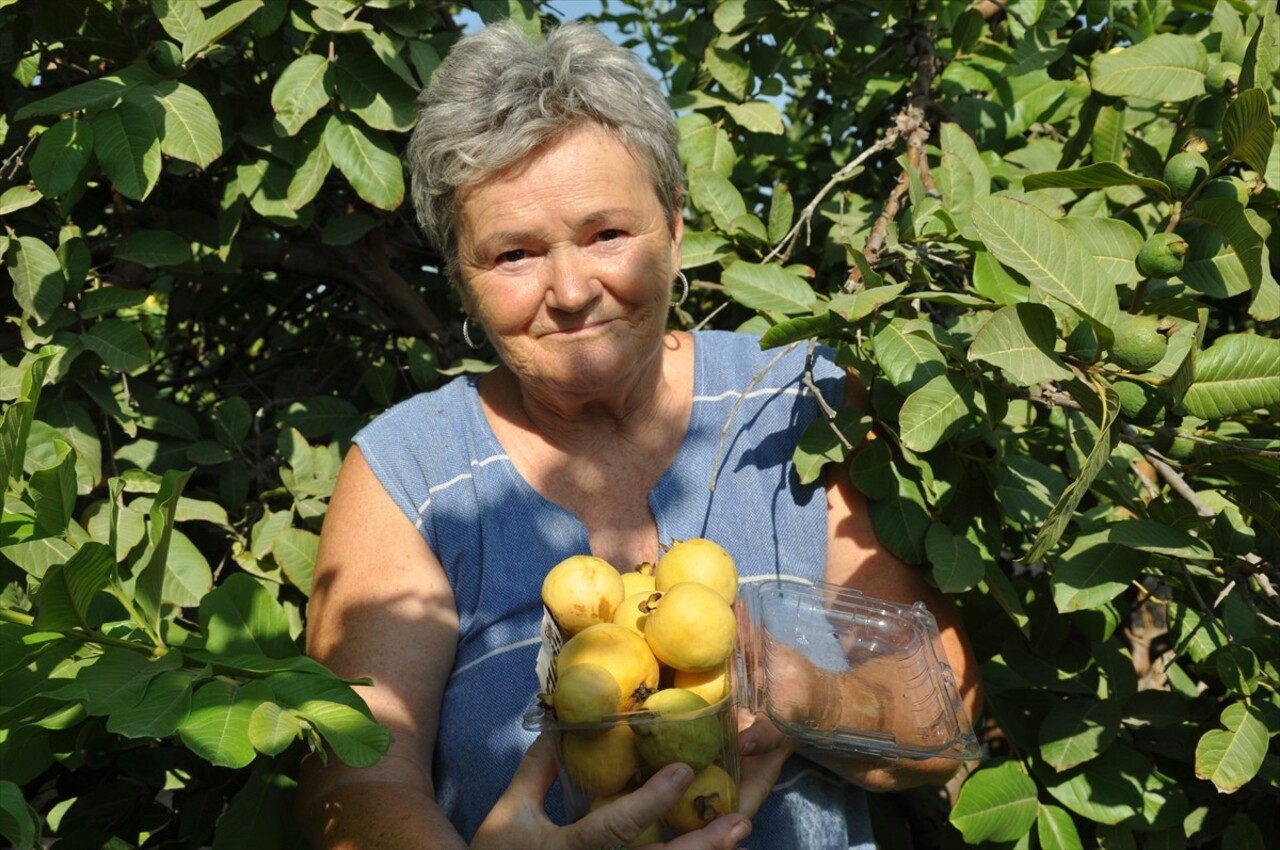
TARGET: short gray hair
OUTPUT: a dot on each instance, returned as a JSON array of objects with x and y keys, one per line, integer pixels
[{"x": 497, "y": 97}]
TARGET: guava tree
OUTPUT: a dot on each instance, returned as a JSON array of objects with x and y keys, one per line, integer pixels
[{"x": 1040, "y": 231}]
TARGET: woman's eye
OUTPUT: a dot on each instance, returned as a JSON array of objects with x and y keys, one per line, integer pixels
[
  {"x": 608, "y": 235},
  {"x": 513, "y": 256}
]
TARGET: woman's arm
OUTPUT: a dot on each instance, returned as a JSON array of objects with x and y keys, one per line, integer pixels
[
  {"x": 856, "y": 559},
  {"x": 381, "y": 607}
]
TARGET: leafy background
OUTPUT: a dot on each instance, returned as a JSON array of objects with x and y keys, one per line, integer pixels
[{"x": 216, "y": 281}]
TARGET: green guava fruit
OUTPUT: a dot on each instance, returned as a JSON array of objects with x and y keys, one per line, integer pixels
[
  {"x": 1140, "y": 404},
  {"x": 696, "y": 741},
  {"x": 1184, "y": 171},
  {"x": 1222, "y": 77},
  {"x": 1062, "y": 68},
  {"x": 1163, "y": 255},
  {"x": 1084, "y": 41},
  {"x": 1140, "y": 343},
  {"x": 164, "y": 57}
]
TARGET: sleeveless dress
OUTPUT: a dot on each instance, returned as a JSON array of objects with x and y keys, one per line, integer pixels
[{"x": 496, "y": 538}]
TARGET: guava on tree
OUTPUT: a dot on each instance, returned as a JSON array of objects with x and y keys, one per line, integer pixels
[
  {"x": 1140, "y": 343},
  {"x": 1184, "y": 171},
  {"x": 1163, "y": 255}
]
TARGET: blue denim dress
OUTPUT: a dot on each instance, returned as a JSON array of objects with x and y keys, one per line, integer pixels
[{"x": 496, "y": 537}]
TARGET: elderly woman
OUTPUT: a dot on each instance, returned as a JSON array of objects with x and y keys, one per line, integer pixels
[{"x": 548, "y": 176}]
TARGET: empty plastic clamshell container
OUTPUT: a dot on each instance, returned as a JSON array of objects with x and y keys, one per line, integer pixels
[{"x": 838, "y": 670}]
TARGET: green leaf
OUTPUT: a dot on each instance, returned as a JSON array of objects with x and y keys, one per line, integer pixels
[
  {"x": 1055, "y": 828},
  {"x": 309, "y": 176},
  {"x": 38, "y": 283},
  {"x": 1238, "y": 668},
  {"x": 295, "y": 551},
  {"x": 1064, "y": 510},
  {"x": 154, "y": 248},
  {"x": 103, "y": 91},
  {"x": 19, "y": 822},
  {"x": 119, "y": 343},
  {"x": 1149, "y": 535},
  {"x": 238, "y": 616},
  {"x": 902, "y": 522},
  {"x": 128, "y": 148},
  {"x": 1237, "y": 374},
  {"x": 758, "y": 116},
  {"x": 189, "y": 129},
  {"x": 933, "y": 413},
  {"x": 217, "y": 726},
  {"x": 149, "y": 586},
  {"x": 181, "y": 19},
  {"x": 354, "y": 738},
  {"x": 272, "y": 728},
  {"x": 119, "y": 678},
  {"x": 303, "y": 88},
  {"x": 996, "y": 803},
  {"x": 1048, "y": 254},
  {"x": 1107, "y": 789},
  {"x": 163, "y": 706},
  {"x": 53, "y": 492},
  {"x": 19, "y": 198},
  {"x": 1232, "y": 756},
  {"x": 957, "y": 562},
  {"x": 1165, "y": 67},
  {"x": 1077, "y": 730},
  {"x": 62, "y": 155},
  {"x": 1113, "y": 243},
  {"x": 1097, "y": 176},
  {"x": 908, "y": 359},
  {"x": 63, "y": 600},
  {"x": 705, "y": 145},
  {"x": 367, "y": 160},
  {"x": 715, "y": 194},
  {"x": 729, "y": 69},
  {"x": 1092, "y": 573},
  {"x": 767, "y": 287},
  {"x": 1226, "y": 253},
  {"x": 1020, "y": 339},
  {"x": 782, "y": 209},
  {"x": 320, "y": 415},
  {"x": 213, "y": 29},
  {"x": 1248, "y": 132},
  {"x": 187, "y": 577},
  {"x": 369, "y": 89}
]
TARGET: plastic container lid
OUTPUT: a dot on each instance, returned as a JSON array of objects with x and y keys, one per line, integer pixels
[{"x": 844, "y": 672}]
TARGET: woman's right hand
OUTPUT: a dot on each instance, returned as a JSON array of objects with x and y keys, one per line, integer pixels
[{"x": 519, "y": 818}]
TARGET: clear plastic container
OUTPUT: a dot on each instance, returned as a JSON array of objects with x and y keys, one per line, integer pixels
[{"x": 841, "y": 671}]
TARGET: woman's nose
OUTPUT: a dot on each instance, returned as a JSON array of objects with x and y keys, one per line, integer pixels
[{"x": 573, "y": 283}]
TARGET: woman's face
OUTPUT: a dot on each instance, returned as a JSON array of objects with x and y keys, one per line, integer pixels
[{"x": 567, "y": 263}]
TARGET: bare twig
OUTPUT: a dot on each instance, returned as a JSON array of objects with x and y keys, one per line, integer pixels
[
  {"x": 1226, "y": 591},
  {"x": 827, "y": 410},
  {"x": 1176, "y": 482}
]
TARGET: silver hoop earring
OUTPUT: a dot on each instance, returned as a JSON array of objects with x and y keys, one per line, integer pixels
[
  {"x": 466, "y": 335},
  {"x": 684, "y": 288}
]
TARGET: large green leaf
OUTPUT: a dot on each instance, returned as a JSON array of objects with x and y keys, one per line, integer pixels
[
  {"x": 1107, "y": 789},
  {"x": 956, "y": 561},
  {"x": 187, "y": 575},
  {"x": 119, "y": 678},
  {"x": 1113, "y": 242},
  {"x": 213, "y": 29},
  {"x": 370, "y": 90},
  {"x": 1020, "y": 340},
  {"x": 1096, "y": 176},
  {"x": 310, "y": 172},
  {"x": 153, "y": 248},
  {"x": 119, "y": 343},
  {"x": 65, "y": 594},
  {"x": 1165, "y": 67},
  {"x": 996, "y": 804},
  {"x": 767, "y": 287},
  {"x": 38, "y": 283},
  {"x": 102, "y": 91},
  {"x": 295, "y": 551},
  {"x": 1047, "y": 254},
  {"x": 901, "y": 521},
  {"x": 366, "y": 159},
  {"x": 714, "y": 193},
  {"x": 302, "y": 89},
  {"x": 127, "y": 145},
  {"x": 1148, "y": 535},
  {"x": 355, "y": 739},
  {"x": 239, "y": 616},
  {"x": 936, "y": 411},
  {"x": 1077, "y": 730},
  {"x": 758, "y": 116},
  {"x": 908, "y": 359},
  {"x": 705, "y": 145},
  {"x": 1092, "y": 573},
  {"x": 1055, "y": 828},
  {"x": 62, "y": 155},
  {"x": 52, "y": 489},
  {"x": 1232, "y": 756},
  {"x": 272, "y": 728},
  {"x": 217, "y": 726},
  {"x": 19, "y": 822},
  {"x": 189, "y": 129},
  {"x": 1226, "y": 250},
  {"x": 256, "y": 810},
  {"x": 1248, "y": 131},
  {"x": 179, "y": 18},
  {"x": 164, "y": 705},
  {"x": 1237, "y": 374}
]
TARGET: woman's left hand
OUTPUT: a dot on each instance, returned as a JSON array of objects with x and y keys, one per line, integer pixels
[
  {"x": 519, "y": 819},
  {"x": 764, "y": 749}
]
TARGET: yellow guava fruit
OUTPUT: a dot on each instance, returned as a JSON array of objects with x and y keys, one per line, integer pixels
[
  {"x": 639, "y": 580},
  {"x": 712, "y": 685},
  {"x": 580, "y": 591},
  {"x": 695, "y": 740},
  {"x": 691, "y": 628},
  {"x": 600, "y": 763},
  {"x": 585, "y": 693},
  {"x": 712, "y": 793},
  {"x": 619, "y": 650},
  {"x": 634, "y": 610},
  {"x": 699, "y": 560}
]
